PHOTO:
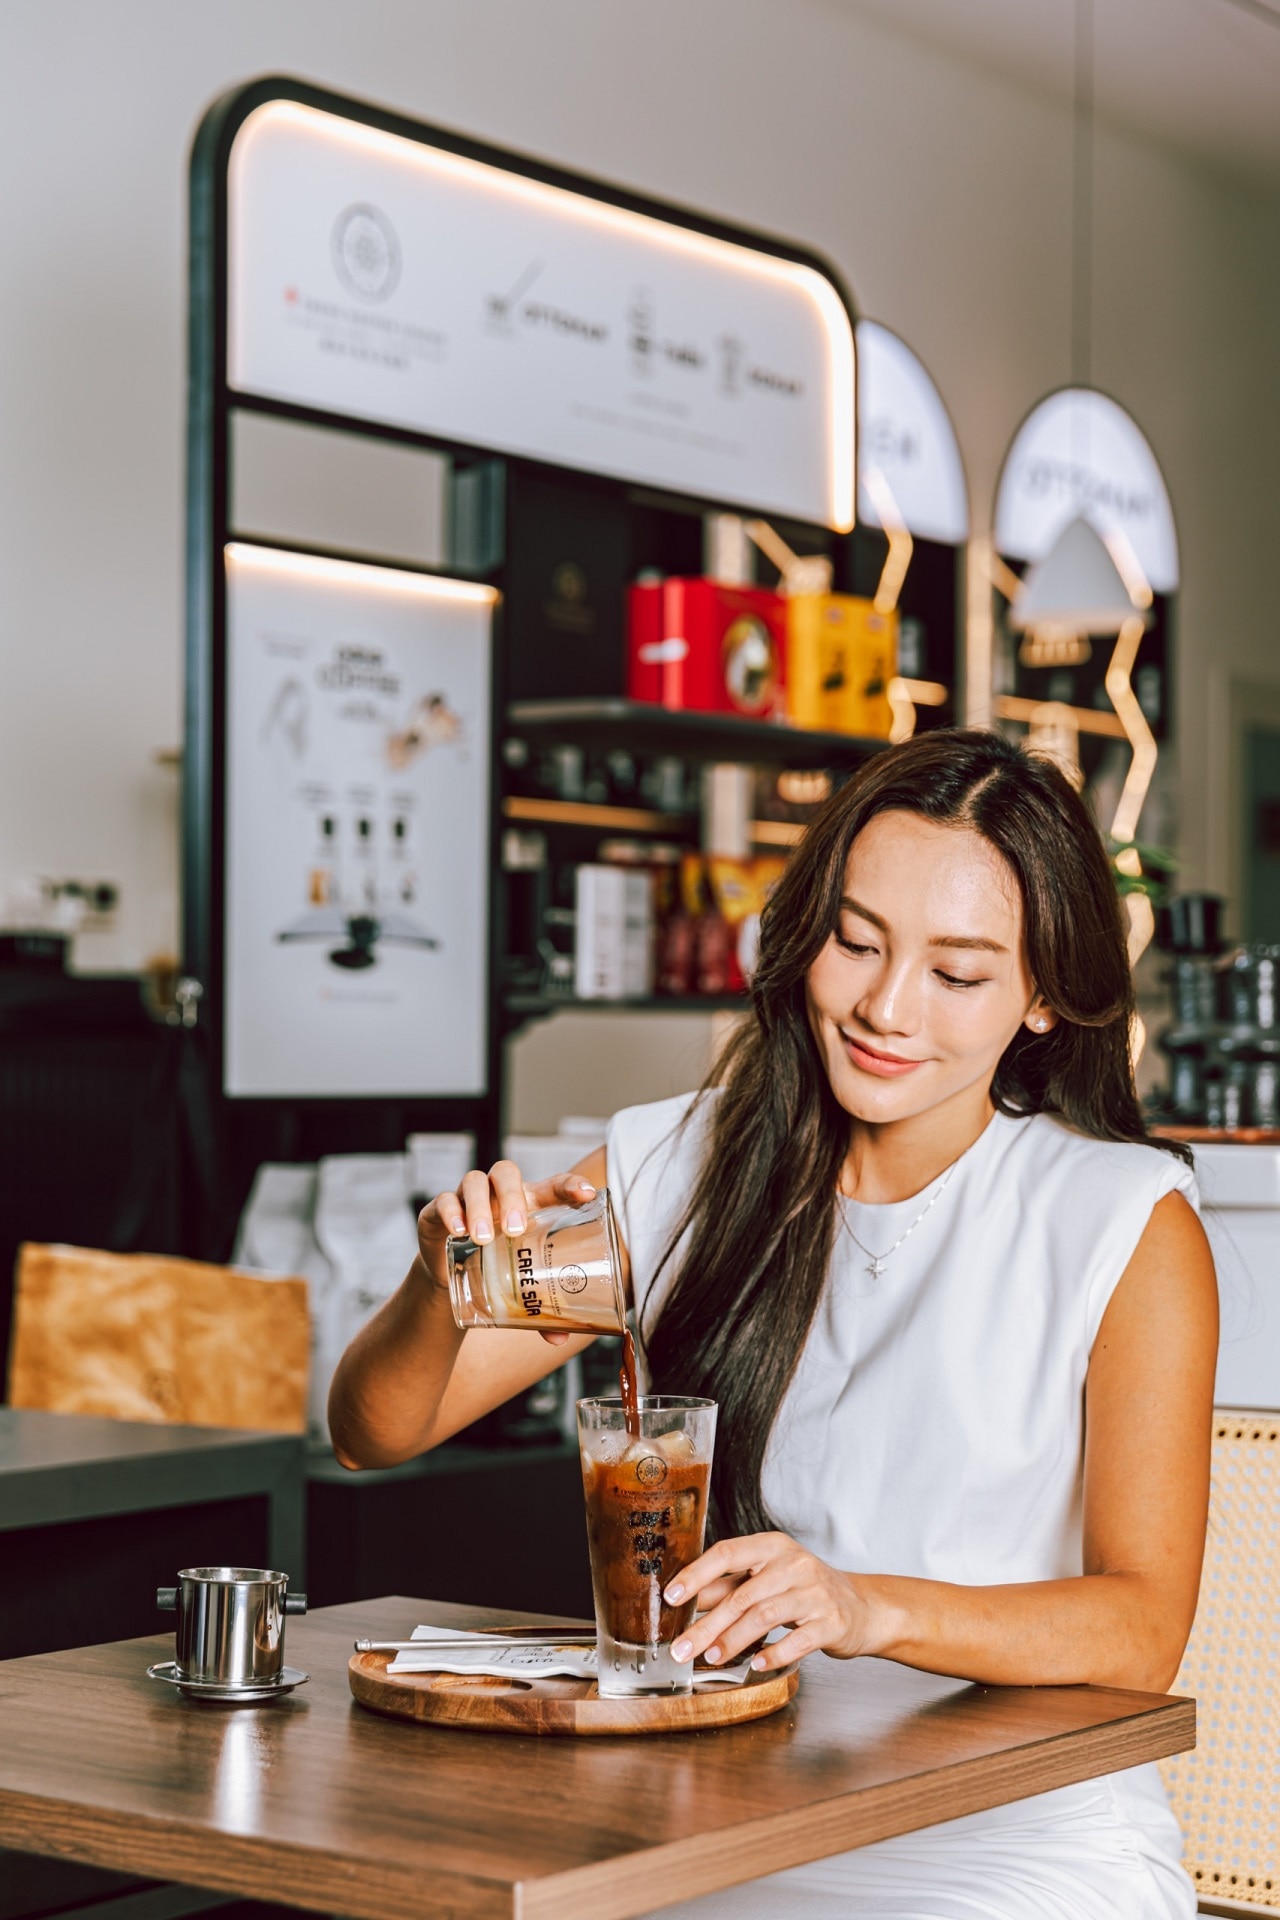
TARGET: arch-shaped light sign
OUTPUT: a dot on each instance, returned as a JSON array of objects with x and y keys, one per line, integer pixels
[
  {"x": 388, "y": 279},
  {"x": 905, "y": 431},
  {"x": 1080, "y": 453}
]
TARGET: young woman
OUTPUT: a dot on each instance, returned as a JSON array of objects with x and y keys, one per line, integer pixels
[{"x": 959, "y": 1315}]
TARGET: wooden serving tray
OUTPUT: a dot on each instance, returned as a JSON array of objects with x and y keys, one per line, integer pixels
[{"x": 482, "y": 1703}]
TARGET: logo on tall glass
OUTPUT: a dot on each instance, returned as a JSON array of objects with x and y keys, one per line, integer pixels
[{"x": 366, "y": 252}]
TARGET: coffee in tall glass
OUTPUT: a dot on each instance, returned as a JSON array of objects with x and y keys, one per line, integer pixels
[{"x": 646, "y": 1496}]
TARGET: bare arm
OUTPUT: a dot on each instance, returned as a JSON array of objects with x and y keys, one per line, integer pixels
[
  {"x": 410, "y": 1378},
  {"x": 1125, "y": 1621}
]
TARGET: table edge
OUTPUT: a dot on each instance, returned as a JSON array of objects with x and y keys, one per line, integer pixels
[
  {"x": 247, "y": 1462},
  {"x": 244, "y": 1865},
  {"x": 706, "y": 1863}
]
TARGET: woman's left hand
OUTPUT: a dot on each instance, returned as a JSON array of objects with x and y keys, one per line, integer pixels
[{"x": 748, "y": 1586}]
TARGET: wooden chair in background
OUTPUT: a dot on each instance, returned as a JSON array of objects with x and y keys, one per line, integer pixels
[
  {"x": 1226, "y": 1794},
  {"x": 149, "y": 1337}
]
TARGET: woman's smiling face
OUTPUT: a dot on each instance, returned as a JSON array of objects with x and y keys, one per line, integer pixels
[{"x": 923, "y": 982}]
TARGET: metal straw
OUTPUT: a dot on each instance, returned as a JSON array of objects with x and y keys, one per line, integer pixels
[{"x": 576, "y": 1637}]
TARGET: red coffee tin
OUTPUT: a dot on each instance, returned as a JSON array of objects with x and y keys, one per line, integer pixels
[{"x": 696, "y": 644}]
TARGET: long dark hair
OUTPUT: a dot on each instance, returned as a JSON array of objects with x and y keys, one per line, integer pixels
[{"x": 761, "y": 1220}]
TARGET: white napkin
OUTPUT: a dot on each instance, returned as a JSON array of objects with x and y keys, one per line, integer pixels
[{"x": 527, "y": 1663}]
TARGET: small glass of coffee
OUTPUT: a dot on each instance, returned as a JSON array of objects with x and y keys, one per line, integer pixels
[
  {"x": 563, "y": 1274},
  {"x": 646, "y": 1479}
]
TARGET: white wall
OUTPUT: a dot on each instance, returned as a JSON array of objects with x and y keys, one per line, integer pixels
[{"x": 942, "y": 194}]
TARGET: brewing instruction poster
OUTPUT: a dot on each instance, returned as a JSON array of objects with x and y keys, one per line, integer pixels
[{"x": 357, "y": 829}]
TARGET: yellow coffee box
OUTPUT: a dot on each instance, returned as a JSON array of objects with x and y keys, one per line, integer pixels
[{"x": 841, "y": 655}]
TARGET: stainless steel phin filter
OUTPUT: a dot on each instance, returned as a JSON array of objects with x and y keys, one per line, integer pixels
[{"x": 230, "y": 1628}]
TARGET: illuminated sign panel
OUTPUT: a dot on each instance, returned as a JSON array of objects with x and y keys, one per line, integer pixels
[
  {"x": 379, "y": 278},
  {"x": 1080, "y": 453},
  {"x": 905, "y": 433},
  {"x": 357, "y": 764}
]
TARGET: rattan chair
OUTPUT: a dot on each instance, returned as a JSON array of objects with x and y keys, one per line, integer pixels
[{"x": 1226, "y": 1794}]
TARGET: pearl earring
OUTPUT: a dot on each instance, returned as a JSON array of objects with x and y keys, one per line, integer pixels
[{"x": 1040, "y": 1023}]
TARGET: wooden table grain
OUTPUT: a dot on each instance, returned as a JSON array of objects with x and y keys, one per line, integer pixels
[{"x": 315, "y": 1802}]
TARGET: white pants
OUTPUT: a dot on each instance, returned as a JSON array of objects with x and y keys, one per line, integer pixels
[{"x": 1106, "y": 1850}]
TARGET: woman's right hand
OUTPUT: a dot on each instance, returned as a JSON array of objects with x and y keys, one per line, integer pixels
[{"x": 490, "y": 1203}]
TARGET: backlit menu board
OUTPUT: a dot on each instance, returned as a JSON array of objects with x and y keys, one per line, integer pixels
[
  {"x": 379, "y": 278},
  {"x": 1079, "y": 452},
  {"x": 906, "y": 437}
]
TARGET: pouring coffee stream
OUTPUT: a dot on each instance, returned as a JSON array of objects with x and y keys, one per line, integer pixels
[{"x": 629, "y": 1384}]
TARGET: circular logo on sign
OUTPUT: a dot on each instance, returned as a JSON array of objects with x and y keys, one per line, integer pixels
[
  {"x": 366, "y": 252},
  {"x": 652, "y": 1470},
  {"x": 750, "y": 664},
  {"x": 573, "y": 1279}
]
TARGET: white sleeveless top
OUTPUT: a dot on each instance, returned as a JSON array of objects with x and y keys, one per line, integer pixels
[{"x": 935, "y": 1423}]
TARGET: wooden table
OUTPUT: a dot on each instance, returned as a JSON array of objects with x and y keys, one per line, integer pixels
[{"x": 318, "y": 1803}]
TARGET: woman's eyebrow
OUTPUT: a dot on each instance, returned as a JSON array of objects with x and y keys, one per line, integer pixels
[
  {"x": 974, "y": 941},
  {"x": 864, "y": 913},
  {"x": 968, "y": 940}
]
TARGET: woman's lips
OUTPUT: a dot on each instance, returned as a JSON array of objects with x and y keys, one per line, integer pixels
[{"x": 886, "y": 1066}]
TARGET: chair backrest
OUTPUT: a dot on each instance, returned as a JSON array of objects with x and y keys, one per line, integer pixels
[
  {"x": 1226, "y": 1794},
  {"x": 146, "y": 1337}
]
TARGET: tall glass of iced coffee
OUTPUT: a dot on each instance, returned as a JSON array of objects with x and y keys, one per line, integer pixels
[{"x": 646, "y": 1473}]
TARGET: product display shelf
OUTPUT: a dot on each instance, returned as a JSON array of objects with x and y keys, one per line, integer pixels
[
  {"x": 581, "y": 813},
  {"x": 1222, "y": 1136},
  {"x": 605, "y": 723},
  {"x": 611, "y": 819},
  {"x": 521, "y": 1005}
]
